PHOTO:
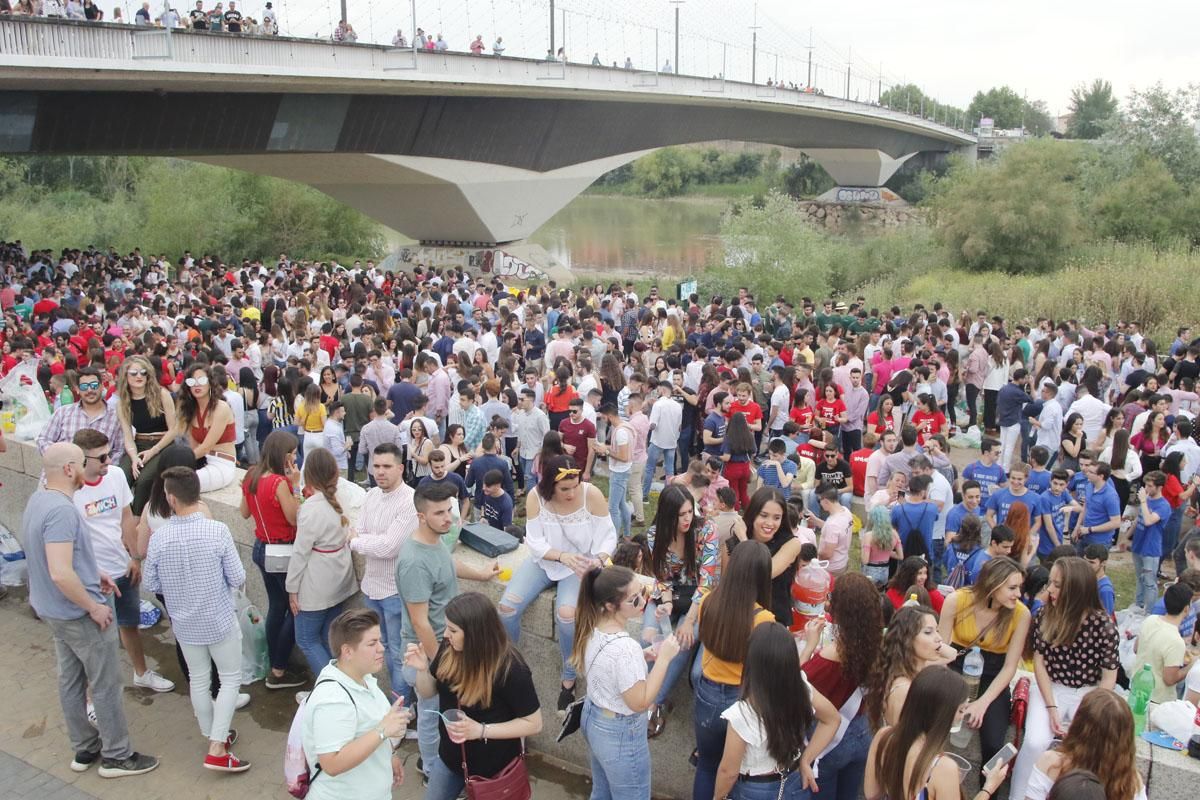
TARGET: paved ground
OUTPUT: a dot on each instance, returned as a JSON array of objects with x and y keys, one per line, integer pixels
[{"x": 35, "y": 753}]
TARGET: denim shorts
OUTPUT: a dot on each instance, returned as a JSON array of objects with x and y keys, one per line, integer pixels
[{"x": 128, "y": 607}]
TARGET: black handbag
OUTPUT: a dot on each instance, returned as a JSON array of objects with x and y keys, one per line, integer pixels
[{"x": 483, "y": 538}]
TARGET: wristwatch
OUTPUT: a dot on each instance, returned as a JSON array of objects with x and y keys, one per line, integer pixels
[{"x": 383, "y": 737}]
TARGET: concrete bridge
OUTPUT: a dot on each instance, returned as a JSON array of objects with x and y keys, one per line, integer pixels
[{"x": 450, "y": 149}]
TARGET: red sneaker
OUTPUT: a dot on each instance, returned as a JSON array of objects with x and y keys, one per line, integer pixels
[{"x": 226, "y": 763}]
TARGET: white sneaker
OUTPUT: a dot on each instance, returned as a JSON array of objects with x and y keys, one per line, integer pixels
[
  {"x": 301, "y": 697},
  {"x": 153, "y": 681},
  {"x": 243, "y": 700}
]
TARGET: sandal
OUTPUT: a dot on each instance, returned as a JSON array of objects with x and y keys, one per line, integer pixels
[{"x": 657, "y": 722}]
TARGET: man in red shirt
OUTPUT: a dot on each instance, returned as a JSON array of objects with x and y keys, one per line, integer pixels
[{"x": 579, "y": 436}]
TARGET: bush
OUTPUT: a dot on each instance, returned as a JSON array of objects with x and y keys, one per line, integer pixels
[{"x": 1017, "y": 215}]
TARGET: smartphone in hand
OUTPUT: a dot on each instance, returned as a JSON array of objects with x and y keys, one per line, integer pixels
[{"x": 1002, "y": 757}]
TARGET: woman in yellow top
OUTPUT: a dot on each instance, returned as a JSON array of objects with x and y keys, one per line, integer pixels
[
  {"x": 310, "y": 419},
  {"x": 990, "y": 616},
  {"x": 728, "y": 615}
]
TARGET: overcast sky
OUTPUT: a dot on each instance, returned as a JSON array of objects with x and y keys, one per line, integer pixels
[{"x": 951, "y": 49}]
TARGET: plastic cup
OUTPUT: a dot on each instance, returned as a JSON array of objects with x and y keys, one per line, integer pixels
[
  {"x": 655, "y": 644},
  {"x": 964, "y": 766},
  {"x": 450, "y": 716},
  {"x": 505, "y": 575}
]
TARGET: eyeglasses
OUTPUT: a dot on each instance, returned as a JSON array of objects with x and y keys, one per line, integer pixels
[
  {"x": 201, "y": 381},
  {"x": 104, "y": 459},
  {"x": 137, "y": 373},
  {"x": 90, "y": 386}
]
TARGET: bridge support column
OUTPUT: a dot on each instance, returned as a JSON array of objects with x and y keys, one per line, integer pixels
[
  {"x": 436, "y": 201},
  {"x": 855, "y": 167}
]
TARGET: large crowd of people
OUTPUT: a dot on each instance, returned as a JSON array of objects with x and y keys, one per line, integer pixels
[{"x": 688, "y": 477}]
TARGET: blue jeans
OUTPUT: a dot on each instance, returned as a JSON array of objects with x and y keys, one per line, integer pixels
[
  {"x": 295, "y": 431},
  {"x": 683, "y": 449},
  {"x": 1145, "y": 569},
  {"x": 527, "y": 471},
  {"x": 428, "y": 731},
  {"x": 391, "y": 615},
  {"x": 711, "y": 700},
  {"x": 653, "y": 451},
  {"x": 939, "y": 566},
  {"x": 618, "y": 508},
  {"x": 312, "y": 635},
  {"x": 842, "y": 769},
  {"x": 793, "y": 789},
  {"x": 527, "y": 583},
  {"x": 620, "y": 754},
  {"x": 281, "y": 631},
  {"x": 1171, "y": 529},
  {"x": 679, "y": 663},
  {"x": 443, "y": 783}
]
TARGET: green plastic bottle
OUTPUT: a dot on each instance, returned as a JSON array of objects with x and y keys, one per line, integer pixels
[{"x": 1141, "y": 689}]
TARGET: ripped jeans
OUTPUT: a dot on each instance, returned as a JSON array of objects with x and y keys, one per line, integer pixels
[{"x": 527, "y": 583}]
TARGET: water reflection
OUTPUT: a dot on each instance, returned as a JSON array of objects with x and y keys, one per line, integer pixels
[{"x": 630, "y": 235}]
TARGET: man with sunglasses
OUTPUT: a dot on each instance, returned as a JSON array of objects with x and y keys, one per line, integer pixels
[
  {"x": 90, "y": 412},
  {"x": 103, "y": 503}
]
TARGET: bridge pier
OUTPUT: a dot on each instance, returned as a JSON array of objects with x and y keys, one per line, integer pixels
[
  {"x": 857, "y": 167},
  {"x": 440, "y": 202}
]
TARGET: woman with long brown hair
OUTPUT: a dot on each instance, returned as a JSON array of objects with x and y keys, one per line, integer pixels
[
  {"x": 1098, "y": 741},
  {"x": 1125, "y": 464},
  {"x": 911, "y": 644},
  {"x": 1074, "y": 652},
  {"x": 1024, "y": 545},
  {"x": 907, "y": 762},
  {"x": 840, "y": 672},
  {"x": 320, "y": 575},
  {"x": 619, "y": 690},
  {"x": 728, "y": 615},
  {"x": 207, "y": 421},
  {"x": 989, "y": 615},
  {"x": 146, "y": 413},
  {"x": 478, "y": 671},
  {"x": 768, "y": 751}
]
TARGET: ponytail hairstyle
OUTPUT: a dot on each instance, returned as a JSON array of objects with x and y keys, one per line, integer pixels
[
  {"x": 321, "y": 474},
  {"x": 600, "y": 592}
]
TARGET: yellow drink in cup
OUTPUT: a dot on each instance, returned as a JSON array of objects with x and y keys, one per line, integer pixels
[{"x": 505, "y": 575}]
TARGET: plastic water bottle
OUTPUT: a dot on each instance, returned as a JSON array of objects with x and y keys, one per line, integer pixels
[
  {"x": 1141, "y": 688},
  {"x": 972, "y": 672}
]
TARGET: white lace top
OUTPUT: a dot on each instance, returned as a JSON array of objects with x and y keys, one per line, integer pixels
[{"x": 577, "y": 531}]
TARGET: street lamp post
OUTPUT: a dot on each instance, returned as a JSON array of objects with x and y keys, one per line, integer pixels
[
  {"x": 551, "y": 26},
  {"x": 677, "y": 4}
]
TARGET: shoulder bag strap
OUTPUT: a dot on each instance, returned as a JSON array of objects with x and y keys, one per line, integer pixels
[
  {"x": 266, "y": 533},
  {"x": 319, "y": 769}
]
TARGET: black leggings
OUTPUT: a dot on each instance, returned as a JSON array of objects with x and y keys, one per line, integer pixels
[
  {"x": 994, "y": 731},
  {"x": 972, "y": 405},
  {"x": 989, "y": 408}
]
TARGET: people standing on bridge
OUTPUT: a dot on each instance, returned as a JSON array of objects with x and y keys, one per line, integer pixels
[
  {"x": 344, "y": 33},
  {"x": 270, "y": 25},
  {"x": 199, "y": 17},
  {"x": 233, "y": 18},
  {"x": 667, "y": 67},
  {"x": 477, "y": 45},
  {"x": 70, "y": 594},
  {"x": 420, "y": 40},
  {"x": 216, "y": 19},
  {"x": 498, "y": 46},
  {"x": 399, "y": 39},
  {"x": 596, "y": 60},
  {"x": 441, "y": 45}
]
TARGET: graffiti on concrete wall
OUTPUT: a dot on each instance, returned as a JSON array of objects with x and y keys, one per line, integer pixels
[
  {"x": 493, "y": 261},
  {"x": 867, "y": 194}
]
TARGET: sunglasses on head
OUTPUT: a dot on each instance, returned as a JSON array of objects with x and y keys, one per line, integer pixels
[{"x": 200, "y": 381}]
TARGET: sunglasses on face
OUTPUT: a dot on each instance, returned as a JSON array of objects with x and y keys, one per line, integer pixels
[
  {"x": 103, "y": 459},
  {"x": 90, "y": 386},
  {"x": 199, "y": 381},
  {"x": 137, "y": 373}
]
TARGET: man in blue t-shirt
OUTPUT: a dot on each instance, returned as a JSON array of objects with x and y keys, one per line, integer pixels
[
  {"x": 971, "y": 505},
  {"x": 1101, "y": 517},
  {"x": 916, "y": 515},
  {"x": 715, "y": 424},
  {"x": 440, "y": 473},
  {"x": 986, "y": 472},
  {"x": 1038, "y": 479},
  {"x": 1147, "y": 544},
  {"x": 1001, "y": 500},
  {"x": 777, "y": 472},
  {"x": 1055, "y": 506},
  {"x": 1097, "y": 557},
  {"x": 496, "y": 505},
  {"x": 489, "y": 460}
]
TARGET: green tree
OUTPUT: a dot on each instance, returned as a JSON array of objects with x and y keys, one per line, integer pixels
[
  {"x": 1010, "y": 110},
  {"x": 805, "y": 178},
  {"x": 910, "y": 99},
  {"x": 1092, "y": 109},
  {"x": 1162, "y": 124},
  {"x": 1016, "y": 214},
  {"x": 666, "y": 172},
  {"x": 1147, "y": 205}
]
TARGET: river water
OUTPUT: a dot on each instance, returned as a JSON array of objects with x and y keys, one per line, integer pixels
[{"x": 633, "y": 236}]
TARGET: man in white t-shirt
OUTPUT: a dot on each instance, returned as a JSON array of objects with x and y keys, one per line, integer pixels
[
  {"x": 780, "y": 405},
  {"x": 103, "y": 504},
  {"x": 620, "y": 463},
  {"x": 941, "y": 494}
]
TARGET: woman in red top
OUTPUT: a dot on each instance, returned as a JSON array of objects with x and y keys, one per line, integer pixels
[
  {"x": 831, "y": 411},
  {"x": 880, "y": 420},
  {"x": 840, "y": 671},
  {"x": 929, "y": 421},
  {"x": 558, "y": 397},
  {"x": 914, "y": 572},
  {"x": 207, "y": 420},
  {"x": 802, "y": 413},
  {"x": 268, "y": 495},
  {"x": 1149, "y": 442},
  {"x": 1177, "y": 495}
]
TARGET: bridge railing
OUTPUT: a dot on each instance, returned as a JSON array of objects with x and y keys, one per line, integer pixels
[{"x": 71, "y": 44}]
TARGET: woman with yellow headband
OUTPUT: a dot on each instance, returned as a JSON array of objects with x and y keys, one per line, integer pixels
[{"x": 568, "y": 532}]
